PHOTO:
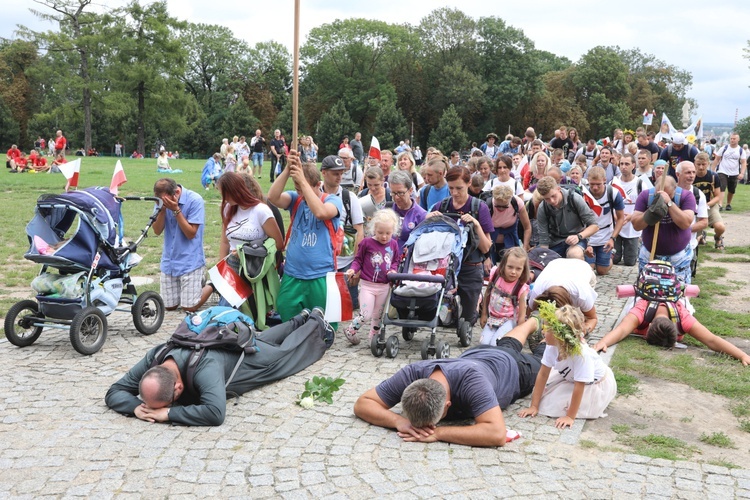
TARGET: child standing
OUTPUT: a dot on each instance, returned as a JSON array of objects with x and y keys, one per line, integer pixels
[
  {"x": 582, "y": 386},
  {"x": 376, "y": 257},
  {"x": 504, "y": 304}
]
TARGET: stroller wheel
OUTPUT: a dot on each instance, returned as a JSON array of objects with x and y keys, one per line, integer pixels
[
  {"x": 464, "y": 333},
  {"x": 408, "y": 333},
  {"x": 148, "y": 312},
  {"x": 426, "y": 348},
  {"x": 443, "y": 350},
  {"x": 19, "y": 327},
  {"x": 88, "y": 330},
  {"x": 377, "y": 346},
  {"x": 391, "y": 346}
]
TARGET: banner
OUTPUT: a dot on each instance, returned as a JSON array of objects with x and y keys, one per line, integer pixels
[
  {"x": 338, "y": 301},
  {"x": 118, "y": 178},
  {"x": 666, "y": 129},
  {"x": 71, "y": 172},
  {"x": 229, "y": 284},
  {"x": 648, "y": 118},
  {"x": 591, "y": 201},
  {"x": 374, "y": 148},
  {"x": 694, "y": 131}
]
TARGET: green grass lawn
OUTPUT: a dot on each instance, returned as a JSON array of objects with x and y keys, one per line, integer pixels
[{"x": 21, "y": 191}]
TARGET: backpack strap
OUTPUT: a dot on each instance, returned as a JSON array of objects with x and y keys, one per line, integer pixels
[
  {"x": 423, "y": 198},
  {"x": 347, "y": 200},
  {"x": 611, "y": 201},
  {"x": 297, "y": 203},
  {"x": 444, "y": 205},
  {"x": 514, "y": 204},
  {"x": 639, "y": 185},
  {"x": 328, "y": 223}
]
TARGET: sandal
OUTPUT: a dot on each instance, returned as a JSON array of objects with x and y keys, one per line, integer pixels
[
  {"x": 719, "y": 243},
  {"x": 702, "y": 238}
]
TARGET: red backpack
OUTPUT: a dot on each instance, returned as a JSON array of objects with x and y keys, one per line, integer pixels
[{"x": 337, "y": 235}]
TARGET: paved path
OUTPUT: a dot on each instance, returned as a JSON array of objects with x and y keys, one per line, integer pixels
[{"x": 57, "y": 438}]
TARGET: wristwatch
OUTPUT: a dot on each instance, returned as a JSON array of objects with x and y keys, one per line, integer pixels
[
  {"x": 580, "y": 238},
  {"x": 669, "y": 204}
]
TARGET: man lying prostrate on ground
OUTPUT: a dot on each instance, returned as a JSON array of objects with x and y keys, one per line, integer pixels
[
  {"x": 284, "y": 350},
  {"x": 664, "y": 332},
  {"x": 477, "y": 384},
  {"x": 572, "y": 278}
]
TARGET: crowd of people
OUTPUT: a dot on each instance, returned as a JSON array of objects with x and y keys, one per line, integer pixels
[{"x": 591, "y": 204}]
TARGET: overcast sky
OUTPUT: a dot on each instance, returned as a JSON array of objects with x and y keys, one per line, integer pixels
[{"x": 707, "y": 42}]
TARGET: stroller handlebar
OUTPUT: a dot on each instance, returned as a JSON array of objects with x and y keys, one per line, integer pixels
[
  {"x": 429, "y": 278},
  {"x": 156, "y": 200}
]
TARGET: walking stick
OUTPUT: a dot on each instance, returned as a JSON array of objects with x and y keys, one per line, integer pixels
[{"x": 295, "y": 73}]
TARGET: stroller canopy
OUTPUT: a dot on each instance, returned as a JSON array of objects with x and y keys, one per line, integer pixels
[{"x": 54, "y": 216}]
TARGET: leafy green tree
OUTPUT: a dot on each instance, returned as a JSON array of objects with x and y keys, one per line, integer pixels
[
  {"x": 80, "y": 40},
  {"x": 449, "y": 134},
  {"x": 147, "y": 63},
  {"x": 390, "y": 125},
  {"x": 18, "y": 88},
  {"x": 448, "y": 36},
  {"x": 332, "y": 127},
  {"x": 743, "y": 128}
]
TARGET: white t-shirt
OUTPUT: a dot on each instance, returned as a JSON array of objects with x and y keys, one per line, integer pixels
[
  {"x": 357, "y": 218},
  {"x": 511, "y": 183},
  {"x": 574, "y": 275},
  {"x": 730, "y": 159},
  {"x": 702, "y": 214},
  {"x": 247, "y": 225},
  {"x": 605, "y": 221},
  {"x": 631, "y": 193},
  {"x": 587, "y": 368}
]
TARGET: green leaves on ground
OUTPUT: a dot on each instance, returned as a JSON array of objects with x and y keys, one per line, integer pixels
[{"x": 319, "y": 389}]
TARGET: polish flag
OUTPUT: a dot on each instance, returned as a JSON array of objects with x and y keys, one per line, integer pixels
[
  {"x": 118, "y": 179},
  {"x": 338, "y": 301},
  {"x": 71, "y": 171},
  {"x": 375, "y": 148},
  {"x": 229, "y": 284},
  {"x": 616, "y": 185},
  {"x": 591, "y": 202}
]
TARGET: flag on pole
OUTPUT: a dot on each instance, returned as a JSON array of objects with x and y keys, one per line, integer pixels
[
  {"x": 338, "y": 301},
  {"x": 118, "y": 178},
  {"x": 229, "y": 284},
  {"x": 375, "y": 148},
  {"x": 591, "y": 202},
  {"x": 666, "y": 129},
  {"x": 70, "y": 171}
]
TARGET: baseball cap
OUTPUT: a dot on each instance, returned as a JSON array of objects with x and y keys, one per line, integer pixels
[
  {"x": 678, "y": 138},
  {"x": 332, "y": 162},
  {"x": 659, "y": 163}
]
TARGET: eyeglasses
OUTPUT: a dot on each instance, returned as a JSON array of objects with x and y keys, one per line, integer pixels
[
  {"x": 501, "y": 207},
  {"x": 399, "y": 193}
]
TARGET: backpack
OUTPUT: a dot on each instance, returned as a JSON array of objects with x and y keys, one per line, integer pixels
[
  {"x": 539, "y": 258},
  {"x": 337, "y": 235},
  {"x": 513, "y": 294},
  {"x": 657, "y": 283},
  {"x": 677, "y": 195},
  {"x": 486, "y": 197},
  {"x": 472, "y": 243},
  {"x": 724, "y": 150},
  {"x": 217, "y": 327}
]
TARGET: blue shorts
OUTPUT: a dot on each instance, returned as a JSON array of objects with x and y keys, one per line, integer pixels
[
  {"x": 257, "y": 159},
  {"x": 562, "y": 247},
  {"x": 601, "y": 258}
]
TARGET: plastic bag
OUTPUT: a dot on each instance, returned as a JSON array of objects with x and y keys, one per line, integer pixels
[
  {"x": 67, "y": 286},
  {"x": 44, "y": 283}
]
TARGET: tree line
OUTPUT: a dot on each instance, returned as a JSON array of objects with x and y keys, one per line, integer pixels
[{"x": 139, "y": 76}]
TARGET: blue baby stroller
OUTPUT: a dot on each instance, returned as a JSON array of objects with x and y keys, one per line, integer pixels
[
  {"x": 76, "y": 235},
  {"x": 423, "y": 291}
]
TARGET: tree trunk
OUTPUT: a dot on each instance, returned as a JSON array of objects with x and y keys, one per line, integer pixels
[{"x": 141, "y": 118}]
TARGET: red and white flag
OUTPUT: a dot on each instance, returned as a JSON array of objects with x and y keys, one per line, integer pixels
[
  {"x": 375, "y": 148},
  {"x": 71, "y": 171},
  {"x": 616, "y": 185},
  {"x": 591, "y": 202},
  {"x": 229, "y": 284},
  {"x": 338, "y": 300},
  {"x": 118, "y": 179}
]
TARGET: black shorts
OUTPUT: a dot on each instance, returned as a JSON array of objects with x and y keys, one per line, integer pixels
[
  {"x": 528, "y": 364},
  {"x": 728, "y": 182}
]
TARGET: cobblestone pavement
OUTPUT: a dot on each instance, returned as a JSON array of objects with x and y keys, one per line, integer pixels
[{"x": 58, "y": 439}]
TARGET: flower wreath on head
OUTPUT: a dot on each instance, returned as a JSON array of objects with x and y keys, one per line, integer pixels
[
  {"x": 628, "y": 131},
  {"x": 561, "y": 331}
]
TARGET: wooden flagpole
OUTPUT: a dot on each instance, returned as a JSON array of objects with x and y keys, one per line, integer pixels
[{"x": 295, "y": 73}]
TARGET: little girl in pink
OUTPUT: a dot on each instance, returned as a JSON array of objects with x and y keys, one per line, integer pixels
[{"x": 376, "y": 257}]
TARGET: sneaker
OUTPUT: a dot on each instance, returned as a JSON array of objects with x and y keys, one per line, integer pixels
[
  {"x": 374, "y": 331},
  {"x": 351, "y": 335},
  {"x": 305, "y": 313},
  {"x": 721, "y": 209},
  {"x": 329, "y": 334},
  {"x": 729, "y": 207}
]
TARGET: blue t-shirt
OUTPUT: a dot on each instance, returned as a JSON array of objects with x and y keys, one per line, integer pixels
[
  {"x": 479, "y": 380},
  {"x": 435, "y": 195},
  {"x": 182, "y": 255},
  {"x": 309, "y": 254}
]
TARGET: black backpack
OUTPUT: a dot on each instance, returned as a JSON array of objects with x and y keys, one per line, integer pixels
[
  {"x": 539, "y": 258},
  {"x": 214, "y": 328}
]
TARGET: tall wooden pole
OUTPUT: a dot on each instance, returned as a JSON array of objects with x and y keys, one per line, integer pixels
[{"x": 295, "y": 73}]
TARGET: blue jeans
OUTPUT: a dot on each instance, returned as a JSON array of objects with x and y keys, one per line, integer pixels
[{"x": 258, "y": 159}]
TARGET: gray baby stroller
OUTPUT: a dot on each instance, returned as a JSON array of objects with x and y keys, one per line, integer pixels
[
  {"x": 422, "y": 292},
  {"x": 92, "y": 274}
]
